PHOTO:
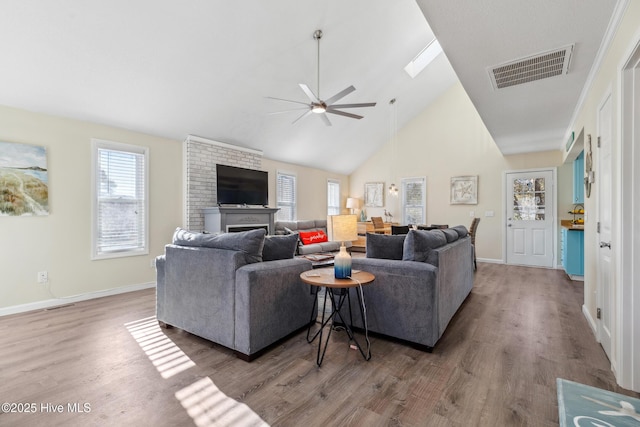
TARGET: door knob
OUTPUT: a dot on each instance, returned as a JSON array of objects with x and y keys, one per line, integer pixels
[{"x": 605, "y": 245}]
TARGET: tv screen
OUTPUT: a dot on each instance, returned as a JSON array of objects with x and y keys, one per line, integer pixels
[{"x": 239, "y": 186}]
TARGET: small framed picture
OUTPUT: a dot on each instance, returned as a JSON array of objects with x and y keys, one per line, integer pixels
[
  {"x": 374, "y": 194},
  {"x": 464, "y": 190}
]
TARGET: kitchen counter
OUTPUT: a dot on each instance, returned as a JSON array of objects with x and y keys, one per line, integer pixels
[{"x": 566, "y": 223}]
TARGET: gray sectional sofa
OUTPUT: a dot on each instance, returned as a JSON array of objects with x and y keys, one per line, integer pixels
[
  {"x": 293, "y": 227},
  {"x": 422, "y": 278},
  {"x": 240, "y": 290}
]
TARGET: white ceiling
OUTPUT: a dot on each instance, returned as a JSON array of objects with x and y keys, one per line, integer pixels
[
  {"x": 206, "y": 67},
  {"x": 478, "y": 35}
]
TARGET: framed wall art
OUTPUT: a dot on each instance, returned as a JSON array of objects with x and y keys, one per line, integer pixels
[
  {"x": 464, "y": 190},
  {"x": 24, "y": 186},
  {"x": 374, "y": 194}
]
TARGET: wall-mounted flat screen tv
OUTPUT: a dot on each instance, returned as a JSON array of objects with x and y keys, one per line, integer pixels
[{"x": 239, "y": 186}]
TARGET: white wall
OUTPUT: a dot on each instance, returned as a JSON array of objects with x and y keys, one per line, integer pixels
[
  {"x": 60, "y": 243},
  {"x": 449, "y": 139},
  {"x": 312, "y": 188}
]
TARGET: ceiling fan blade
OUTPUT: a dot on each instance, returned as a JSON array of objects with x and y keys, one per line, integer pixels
[
  {"x": 366, "y": 104},
  {"x": 308, "y": 92},
  {"x": 288, "y": 111},
  {"x": 287, "y": 100},
  {"x": 340, "y": 95},
  {"x": 302, "y": 116},
  {"x": 326, "y": 120},
  {"x": 343, "y": 113}
]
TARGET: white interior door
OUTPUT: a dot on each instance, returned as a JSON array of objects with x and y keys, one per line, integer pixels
[
  {"x": 530, "y": 217},
  {"x": 604, "y": 260}
]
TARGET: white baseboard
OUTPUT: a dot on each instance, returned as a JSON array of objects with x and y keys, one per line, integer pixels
[
  {"x": 590, "y": 321},
  {"x": 490, "y": 260},
  {"x": 40, "y": 305}
]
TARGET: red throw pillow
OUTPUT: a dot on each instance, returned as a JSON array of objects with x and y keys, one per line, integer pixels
[{"x": 309, "y": 237}]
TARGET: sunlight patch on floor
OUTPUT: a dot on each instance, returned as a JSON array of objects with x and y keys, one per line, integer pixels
[
  {"x": 167, "y": 357},
  {"x": 208, "y": 406}
]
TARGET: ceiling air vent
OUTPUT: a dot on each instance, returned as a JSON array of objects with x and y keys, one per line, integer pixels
[{"x": 531, "y": 68}]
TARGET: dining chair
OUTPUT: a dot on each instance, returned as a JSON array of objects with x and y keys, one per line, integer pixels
[{"x": 472, "y": 233}]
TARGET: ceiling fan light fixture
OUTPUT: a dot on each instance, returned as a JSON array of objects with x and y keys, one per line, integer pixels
[{"x": 319, "y": 109}]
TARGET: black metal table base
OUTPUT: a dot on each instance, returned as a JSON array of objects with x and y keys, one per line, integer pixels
[{"x": 343, "y": 295}]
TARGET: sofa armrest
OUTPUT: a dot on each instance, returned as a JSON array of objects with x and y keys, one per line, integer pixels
[
  {"x": 271, "y": 302},
  {"x": 402, "y": 301},
  {"x": 198, "y": 291}
]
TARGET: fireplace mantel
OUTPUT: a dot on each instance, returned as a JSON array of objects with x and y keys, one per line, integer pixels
[{"x": 223, "y": 219}]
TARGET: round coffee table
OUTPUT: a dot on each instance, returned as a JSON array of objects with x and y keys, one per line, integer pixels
[{"x": 325, "y": 278}]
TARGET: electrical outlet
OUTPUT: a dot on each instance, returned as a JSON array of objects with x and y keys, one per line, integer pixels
[
  {"x": 152, "y": 264},
  {"x": 43, "y": 277},
  {"x": 472, "y": 213}
]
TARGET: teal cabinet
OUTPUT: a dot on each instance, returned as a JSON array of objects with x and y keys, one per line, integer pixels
[
  {"x": 578, "y": 179},
  {"x": 572, "y": 251}
]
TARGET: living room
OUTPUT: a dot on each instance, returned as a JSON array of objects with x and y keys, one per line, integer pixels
[{"x": 448, "y": 138}]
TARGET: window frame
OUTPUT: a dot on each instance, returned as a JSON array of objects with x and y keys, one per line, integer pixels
[
  {"x": 100, "y": 144},
  {"x": 404, "y": 182},
  {"x": 279, "y": 203},
  {"x": 337, "y": 208}
]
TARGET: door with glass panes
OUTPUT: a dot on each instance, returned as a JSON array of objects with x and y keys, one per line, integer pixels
[{"x": 530, "y": 218}]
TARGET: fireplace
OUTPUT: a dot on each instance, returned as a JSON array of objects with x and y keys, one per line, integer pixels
[{"x": 224, "y": 219}]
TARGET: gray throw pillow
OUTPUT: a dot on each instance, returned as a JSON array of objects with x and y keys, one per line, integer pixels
[
  {"x": 279, "y": 247},
  {"x": 250, "y": 242},
  {"x": 384, "y": 246},
  {"x": 287, "y": 230},
  {"x": 419, "y": 243},
  {"x": 461, "y": 230},
  {"x": 450, "y": 234}
]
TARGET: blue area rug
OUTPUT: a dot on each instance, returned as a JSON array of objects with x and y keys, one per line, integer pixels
[{"x": 581, "y": 405}]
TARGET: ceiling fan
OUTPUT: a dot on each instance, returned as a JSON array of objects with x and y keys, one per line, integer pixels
[{"x": 319, "y": 106}]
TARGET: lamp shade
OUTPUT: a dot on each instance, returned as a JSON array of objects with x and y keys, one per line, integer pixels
[
  {"x": 352, "y": 203},
  {"x": 342, "y": 228}
]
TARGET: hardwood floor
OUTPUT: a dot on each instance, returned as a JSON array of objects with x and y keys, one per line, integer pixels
[{"x": 496, "y": 365}]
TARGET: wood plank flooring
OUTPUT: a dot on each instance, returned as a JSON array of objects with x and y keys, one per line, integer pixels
[{"x": 496, "y": 365}]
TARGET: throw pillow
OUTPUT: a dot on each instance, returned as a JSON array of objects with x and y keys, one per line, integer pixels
[
  {"x": 384, "y": 246},
  {"x": 279, "y": 247},
  {"x": 461, "y": 230},
  {"x": 310, "y": 237},
  {"x": 250, "y": 242},
  {"x": 450, "y": 234},
  {"x": 287, "y": 230},
  {"x": 419, "y": 243}
]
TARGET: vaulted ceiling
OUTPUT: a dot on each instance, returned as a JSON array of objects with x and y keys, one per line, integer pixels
[{"x": 207, "y": 68}]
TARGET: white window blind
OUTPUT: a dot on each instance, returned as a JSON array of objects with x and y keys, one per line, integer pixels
[
  {"x": 120, "y": 201},
  {"x": 286, "y": 194},
  {"x": 414, "y": 201},
  {"x": 333, "y": 197}
]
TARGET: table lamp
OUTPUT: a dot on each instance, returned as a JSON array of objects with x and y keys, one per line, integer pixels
[
  {"x": 352, "y": 204},
  {"x": 342, "y": 228}
]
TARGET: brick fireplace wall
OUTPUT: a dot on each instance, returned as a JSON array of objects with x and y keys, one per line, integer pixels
[{"x": 201, "y": 157}]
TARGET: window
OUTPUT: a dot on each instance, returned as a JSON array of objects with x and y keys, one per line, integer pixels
[
  {"x": 286, "y": 194},
  {"x": 333, "y": 197},
  {"x": 414, "y": 201},
  {"x": 120, "y": 200}
]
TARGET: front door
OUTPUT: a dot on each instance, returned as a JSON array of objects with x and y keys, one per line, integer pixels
[
  {"x": 604, "y": 263},
  {"x": 530, "y": 218}
]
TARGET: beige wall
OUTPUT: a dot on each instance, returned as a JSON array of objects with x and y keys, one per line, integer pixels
[
  {"x": 449, "y": 139},
  {"x": 606, "y": 81},
  {"x": 60, "y": 243},
  {"x": 312, "y": 188}
]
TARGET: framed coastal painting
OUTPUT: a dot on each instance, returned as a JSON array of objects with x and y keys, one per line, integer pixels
[
  {"x": 464, "y": 190},
  {"x": 24, "y": 188},
  {"x": 374, "y": 194}
]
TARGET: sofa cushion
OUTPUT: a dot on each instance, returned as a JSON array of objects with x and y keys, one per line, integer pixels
[
  {"x": 461, "y": 230},
  {"x": 279, "y": 247},
  {"x": 418, "y": 244},
  {"x": 385, "y": 246},
  {"x": 249, "y": 242},
  {"x": 310, "y": 237},
  {"x": 450, "y": 234}
]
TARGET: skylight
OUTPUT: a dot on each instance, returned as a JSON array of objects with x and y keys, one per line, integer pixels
[{"x": 424, "y": 58}]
